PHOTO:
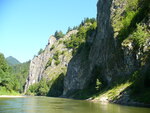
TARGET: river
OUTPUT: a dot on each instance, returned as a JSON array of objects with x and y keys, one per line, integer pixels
[{"x": 61, "y": 105}]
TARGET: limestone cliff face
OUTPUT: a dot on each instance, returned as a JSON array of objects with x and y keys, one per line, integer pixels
[
  {"x": 106, "y": 59},
  {"x": 38, "y": 66},
  {"x": 118, "y": 48},
  {"x": 80, "y": 72}
]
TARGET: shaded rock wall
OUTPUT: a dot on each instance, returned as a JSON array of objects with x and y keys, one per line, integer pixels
[{"x": 106, "y": 58}]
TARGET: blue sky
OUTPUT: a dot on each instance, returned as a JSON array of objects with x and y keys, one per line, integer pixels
[{"x": 26, "y": 25}]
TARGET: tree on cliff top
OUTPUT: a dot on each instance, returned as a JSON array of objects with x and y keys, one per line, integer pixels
[{"x": 59, "y": 34}]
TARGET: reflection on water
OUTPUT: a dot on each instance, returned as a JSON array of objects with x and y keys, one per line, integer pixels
[{"x": 61, "y": 105}]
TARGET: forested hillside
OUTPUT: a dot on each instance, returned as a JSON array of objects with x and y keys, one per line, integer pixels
[
  {"x": 12, "y": 61},
  {"x": 12, "y": 78}
]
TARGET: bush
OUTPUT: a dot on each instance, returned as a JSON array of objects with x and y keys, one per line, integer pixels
[
  {"x": 83, "y": 32},
  {"x": 69, "y": 29},
  {"x": 140, "y": 35},
  {"x": 49, "y": 63},
  {"x": 40, "y": 89},
  {"x": 56, "y": 88},
  {"x": 62, "y": 53},
  {"x": 59, "y": 34},
  {"x": 56, "y": 55},
  {"x": 52, "y": 47},
  {"x": 40, "y": 51},
  {"x": 3, "y": 63},
  {"x": 57, "y": 62},
  {"x": 135, "y": 12}
]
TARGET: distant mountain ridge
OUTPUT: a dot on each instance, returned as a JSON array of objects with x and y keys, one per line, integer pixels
[{"x": 12, "y": 61}]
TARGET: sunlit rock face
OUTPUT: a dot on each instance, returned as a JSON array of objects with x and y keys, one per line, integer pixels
[
  {"x": 106, "y": 59},
  {"x": 38, "y": 68}
]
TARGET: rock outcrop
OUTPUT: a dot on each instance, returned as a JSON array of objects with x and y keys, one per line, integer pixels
[
  {"x": 116, "y": 50},
  {"x": 81, "y": 71},
  {"x": 107, "y": 59},
  {"x": 38, "y": 66}
]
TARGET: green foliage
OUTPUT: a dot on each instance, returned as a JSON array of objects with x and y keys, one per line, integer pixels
[
  {"x": 135, "y": 12},
  {"x": 140, "y": 89},
  {"x": 56, "y": 88},
  {"x": 33, "y": 89},
  {"x": 53, "y": 87},
  {"x": 75, "y": 27},
  {"x": 40, "y": 89},
  {"x": 87, "y": 27},
  {"x": 12, "y": 79},
  {"x": 20, "y": 73},
  {"x": 84, "y": 93},
  {"x": 87, "y": 20},
  {"x": 49, "y": 63},
  {"x": 69, "y": 29},
  {"x": 60, "y": 42},
  {"x": 63, "y": 52},
  {"x": 52, "y": 47},
  {"x": 56, "y": 55},
  {"x": 57, "y": 62},
  {"x": 3, "y": 63},
  {"x": 140, "y": 35},
  {"x": 43, "y": 87},
  {"x": 113, "y": 92},
  {"x": 5, "y": 77},
  {"x": 59, "y": 34},
  {"x": 74, "y": 43},
  {"x": 98, "y": 84},
  {"x": 40, "y": 51},
  {"x": 5, "y": 91},
  {"x": 92, "y": 28},
  {"x": 12, "y": 61}
]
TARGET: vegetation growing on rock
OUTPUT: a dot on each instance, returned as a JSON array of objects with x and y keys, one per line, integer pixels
[
  {"x": 85, "y": 29},
  {"x": 107, "y": 58},
  {"x": 59, "y": 34},
  {"x": 60, "y": 54}
]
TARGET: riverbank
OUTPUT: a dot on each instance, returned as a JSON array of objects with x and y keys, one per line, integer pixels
[
  {"x": 12, "y": 96},
  {"x": 129, "y": 102},
  {"x": 119, "y": 94}
]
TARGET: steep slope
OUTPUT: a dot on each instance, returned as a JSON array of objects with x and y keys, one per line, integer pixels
[
  {"x": 81, "y": 71},
  {"x": 119, "y": 53},
  {"x": 12, "y": 61},
  {"x": 51, "y": 63},
  {"x": 110, "y": 61}
]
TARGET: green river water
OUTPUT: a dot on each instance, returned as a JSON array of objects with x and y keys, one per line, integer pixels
[{"x": 61, "y": 105}]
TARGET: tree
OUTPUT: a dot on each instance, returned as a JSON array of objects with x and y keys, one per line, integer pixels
[
  {"x": 59, "y": 34},
  {"x": 40, "y": 51},
  {"x": 69, "y": 29},
  {"x": 3, "y": 63},
  {"x": 5, "y": 76}
]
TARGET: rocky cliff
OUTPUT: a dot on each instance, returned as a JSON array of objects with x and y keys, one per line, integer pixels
[
  {"x": 51, "y": 62},
  {"x": 119, "y": 49},
  {"x": 110, "y": 60},
  {"x": 81, "y": 68}
]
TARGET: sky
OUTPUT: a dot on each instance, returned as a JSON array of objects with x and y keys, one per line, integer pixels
[{"x": 26, "y": 25}]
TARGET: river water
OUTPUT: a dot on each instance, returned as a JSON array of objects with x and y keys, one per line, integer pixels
[{"x": 61, "y": 105}]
